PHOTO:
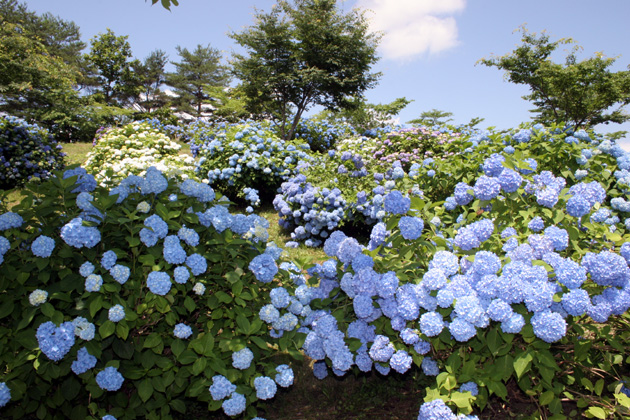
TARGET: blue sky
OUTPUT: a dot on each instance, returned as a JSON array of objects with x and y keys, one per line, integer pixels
[{"x": 428, "y": 53}]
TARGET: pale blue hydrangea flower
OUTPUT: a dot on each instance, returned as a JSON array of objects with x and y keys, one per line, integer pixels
[
  {"x": 182, "y": 331},
  {"x": 37, "y": 297},
  {"x": 109, "y": 379}
]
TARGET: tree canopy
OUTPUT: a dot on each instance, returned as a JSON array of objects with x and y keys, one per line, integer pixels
[
  {"x": 196, "y": 71},
  {"x": 578, "y": 93},
  {"x": 110, "y": 56},
  {"x": 304, "y": 54}
]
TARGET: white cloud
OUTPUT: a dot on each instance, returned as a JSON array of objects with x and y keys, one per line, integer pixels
[{"x": 413, "y": 27}]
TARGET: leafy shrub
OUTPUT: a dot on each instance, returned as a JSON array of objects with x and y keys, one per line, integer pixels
[
  {"x": 91, "y": 321},
  {"x": 26, "y": 151},
  {"x": 247, "y": 156},
  {"x": 131, "y": 150},
  {"x": 521, "y": 279}
]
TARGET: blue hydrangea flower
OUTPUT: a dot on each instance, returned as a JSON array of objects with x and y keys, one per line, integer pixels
[
  {"x": 381, "y": 350},
  {"x": 85, "y": 361},
  {"x": 116, "y": 313},
  {"x": 462, "y": 330},
  {"x": 55, "y": 342},
  {"x": 221, "y": 387},
  {"x": 83, "y": 329},
  {"x": 264, "y": 267},
  {"x": 348, "y": 249},
  {"x": 269, "y": 313},
  {"x": 93, "y": 283},
  {"x": 470, "y": 387},
  {"x": 396, "y": 203},
  {"x": 86, "y": 269},
  {"x": 400, "y": 361},
  {"x": 576, "y": 302},
  {"x": 10, "y": 220},
  {"x": 76, "y": 235},
  {"x": 265, "y": 387},
  {"x": 430, "y": 367},
  {"x": 242, "y": 359},
  {"x": 182, "y": 331},
  {"x": 410, "y": 227},
  {"x": 235, "y": 405},
  {"x": 5, "y": 394},
  {"x": 462, "y": 197},
  {"x": 173, "y": 251},
  {"x": 197, "y": 264},
  {"x": 120, "y": 273},
  {"x": 536, "y": 224},
  {"x": 279, "y": 297},
  {"x": 43, "y": 246},
  {"x": 578, "y": 206},
  {"x": 159, "y": 283},
  {"x": 285, "y": 376},
  {"x": 435, "y": 410},
  {"x": 108, "y": 260},
  {"x": 510, "y": 180},
  {"x": 486, "y": 188},
  {"x": 155, "y": 229},
  {"x": 181, "y": 274},
  {"x": 514, "y": 324},
  {"x": 549, "y": 326},
  {"x": 109, "y": 379},
  {"x": 108, "y": 417},
  {"x": 362, "y": 305}
]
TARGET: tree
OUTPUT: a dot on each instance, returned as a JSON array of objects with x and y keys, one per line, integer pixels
[
  {"x": 34, "y": 85},
  {"x": 303, "y": 55},
  {"x": 109, "y": 54},
  {"x": 165, "y": 3},
  {"x": 196, "y": 71},
  {"x": 229, "y": 103},
  {"x": 365, "y": 116},
  {"x": 60, "y": 37},
  {"x": 578, "y": 93},
  {"x": 432, "y": 117},
  {"x": 152, "y": 76}
]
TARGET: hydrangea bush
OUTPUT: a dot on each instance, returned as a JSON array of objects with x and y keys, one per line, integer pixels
[
  {"x": 135, "y": 301},
  {"x": 132, "y": 149},
  {"x": 322, "y": 136},
  {"x": 26, "y": 151},
  {"x": 520, "y": 278},
  {"x": 247, "y": 155}
]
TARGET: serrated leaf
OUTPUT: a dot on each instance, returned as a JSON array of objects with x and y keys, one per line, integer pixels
[
  {"x": 522, "y": 364},
  {"x": 107, "y": 329},
  {"x": 199, "y": 366},
  {"x": 145, "y": 389},
  {"x": 596, "y": 412}
]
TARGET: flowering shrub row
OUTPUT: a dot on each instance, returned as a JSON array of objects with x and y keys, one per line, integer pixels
[
  {"x": 131, "y": 150},
  {"x": 131, "y": 302},
  {"x": 322, "y": 136},
  {"x": 521, "y": 276},
  {"x": 246, "y": 156},
  {"x": 346, "y": 186},
  {"x": 26, "y": 151}
]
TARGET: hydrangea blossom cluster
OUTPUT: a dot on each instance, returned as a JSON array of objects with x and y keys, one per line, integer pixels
[
  {"x": 132, "y": 150},
  {"x": 27, "y": 151}
]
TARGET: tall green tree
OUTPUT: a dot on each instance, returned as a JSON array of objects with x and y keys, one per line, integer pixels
[
  {"x": 432, "y": 117},
  {"x": 110, "y": 56},
  {"x": 196, "y": 71},
  {"x": 578, "y": 93},
  {"x": 303, "y": 54},
  {"x": 60, "y": 37},
  {"x": 34, "y": 84},
  {"x": 152, "y": 75}
]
